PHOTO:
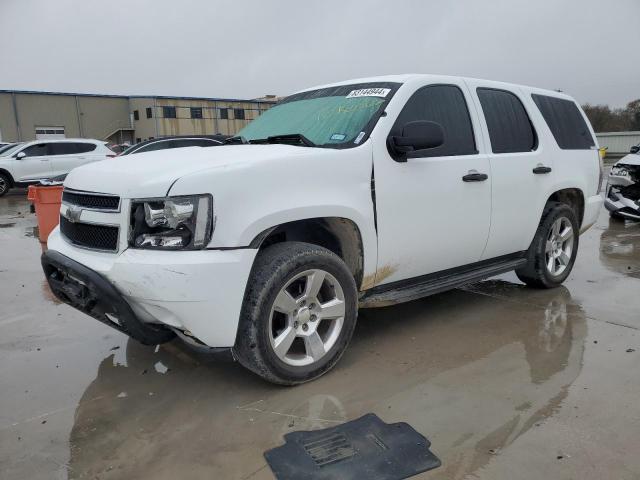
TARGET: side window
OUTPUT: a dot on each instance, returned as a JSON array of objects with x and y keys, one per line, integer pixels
[
  {"x": 565, "y": 122},
  {"x": 84, "y": 147},
  {"x": 62, "y": 148},
  {"x": 37, "y": 150},
  {"x": 193, "y": 142},
  {"x": 161, "y": 145},
  {"x": 510, "y": 129},
  {"x": 443, "y": 104}
]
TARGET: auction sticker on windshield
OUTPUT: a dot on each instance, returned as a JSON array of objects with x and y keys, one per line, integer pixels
[{"x": 369, "y": 92}]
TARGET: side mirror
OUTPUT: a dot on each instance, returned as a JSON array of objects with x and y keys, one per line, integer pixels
[
  {"x": 635, "y": 149},
  {"x": 418, "y": 135},
  {"x": 20, "y": 155}
]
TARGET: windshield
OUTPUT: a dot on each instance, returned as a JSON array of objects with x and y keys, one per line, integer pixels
[
  {"x": 335, "y": 117},
  {"x": 8, "y": 150}
]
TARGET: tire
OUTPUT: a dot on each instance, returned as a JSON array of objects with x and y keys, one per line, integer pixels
[
  {"x": 537, "y": 272},
  {"x": 5, "y": 184},
  {"x": 281, "y": 274}
]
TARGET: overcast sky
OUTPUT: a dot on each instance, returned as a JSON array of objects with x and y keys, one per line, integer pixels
[{"x": 248, "y": 48}]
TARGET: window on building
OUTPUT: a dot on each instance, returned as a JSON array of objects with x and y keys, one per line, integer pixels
[
  {"x": 510, "y": 129},
  {"x": 138, "y": 139},
  {"x": 49, "y": 132},
  {"x": 565, "y": 121},
  {"x": 149, "y": 112},
  {"x": 224, "y": 113},
  {"x": 169, "y": 112},
  {"x": 443, "y": 104},
  {"x": 136, "y": 115},
  {"x": 238, "y": 113},
  {"x": 196, "y": 112}
]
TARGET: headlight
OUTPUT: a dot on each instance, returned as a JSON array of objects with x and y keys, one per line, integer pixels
[
  {"x": 619, "y": 171},
  {"x": 175, "y": 223}
]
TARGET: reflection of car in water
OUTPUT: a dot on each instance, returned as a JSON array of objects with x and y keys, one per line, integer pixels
[
  {"x": 620, "y": 248},
  {"x": 467, "y": 397}
]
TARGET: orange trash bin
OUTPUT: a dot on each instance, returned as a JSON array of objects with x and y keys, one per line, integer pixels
[{"x": 47, "y": 200}]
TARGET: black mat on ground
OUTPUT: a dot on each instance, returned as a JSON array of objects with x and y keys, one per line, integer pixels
[{"x": 363, "y": 449}]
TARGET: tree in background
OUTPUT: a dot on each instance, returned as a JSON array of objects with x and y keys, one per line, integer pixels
[{"x": 605, "y": 119}]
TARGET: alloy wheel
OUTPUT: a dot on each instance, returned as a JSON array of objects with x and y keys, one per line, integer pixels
[
  {"x": 306, "y": 318},
  {"x": 559, "y": 246}
]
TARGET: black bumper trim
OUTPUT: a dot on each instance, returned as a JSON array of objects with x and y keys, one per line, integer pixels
[{"x": 91, "y": 293}]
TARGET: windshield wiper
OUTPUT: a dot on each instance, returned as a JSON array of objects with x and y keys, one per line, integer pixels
[
  {"x": 288, "y": 139},
  {"x": 237, "y": 139}
]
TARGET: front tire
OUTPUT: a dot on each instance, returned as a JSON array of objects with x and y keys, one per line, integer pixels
[
  {"x": 298, "y": 314},
  {"x": 5, "y": 184},
  {"x": 553, "y": 251}
]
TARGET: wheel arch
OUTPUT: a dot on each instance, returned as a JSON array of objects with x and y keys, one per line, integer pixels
[
  {"x": 573, "y": 197},
  {"x": 340, "y": 235},
  {"x": 12, "y": 182}
]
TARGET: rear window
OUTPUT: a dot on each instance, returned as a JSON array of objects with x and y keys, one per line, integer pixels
[
  {"x": 510, "y": 129},
  {"x": 565, "y": 121}
]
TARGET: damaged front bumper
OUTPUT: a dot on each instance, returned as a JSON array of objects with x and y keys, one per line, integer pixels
[
  {"x": 622, "y": 194},
  {"x": 195, "y": 293}
]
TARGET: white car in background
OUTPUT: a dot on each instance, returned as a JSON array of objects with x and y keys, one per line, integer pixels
[
  {"x": 623, "y": 187},
  {"x": 29, "y": 162}
]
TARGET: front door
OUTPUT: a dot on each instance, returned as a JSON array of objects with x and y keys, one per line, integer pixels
[
  {"x": 34, "y": 165},
  {"x": 433, "y": 211}
]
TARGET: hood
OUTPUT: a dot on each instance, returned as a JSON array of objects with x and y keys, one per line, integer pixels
[
  {"x": 631, "y": 159},
  {"x": 152, "y": 174}
]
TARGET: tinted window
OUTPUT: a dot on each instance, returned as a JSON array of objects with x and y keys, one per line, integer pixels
[
  {"x": 566, "y": 122},
  {"x": 510, "y": 128},
  {"x": 136, "y": 115},
  {"x": 149, "y": 114},
  {"x": 238, "y": 113},
  {"x": 169, "y": 112},
  {"x": 196, "y": 112},
  {"x": 443, "y": 104},
  {"x": 70, "y": 148},
  {"x": 194, "y": 142},
  {"x": 37, "y": 150},
  {"x": 160, "y": 145}
]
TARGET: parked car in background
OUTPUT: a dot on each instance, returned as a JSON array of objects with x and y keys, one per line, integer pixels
[
  {"x": 364, "y": 193},
  {"x": 29, "y": 162},
  {"x": 165, "y": 143},
  {"x": 6, "y": 147},
  {"x": 2, "y": 144},
  {"x": 623, "y": 187},
  {"x": 118, "y": 148}
]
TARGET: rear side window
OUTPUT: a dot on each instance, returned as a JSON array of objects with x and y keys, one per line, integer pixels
[
  {"x": 70, "y": 148},
  {"x": 443, "y": 104},
  {"x": 509, "y": 126},
  {"x": 565, "y": 121}
]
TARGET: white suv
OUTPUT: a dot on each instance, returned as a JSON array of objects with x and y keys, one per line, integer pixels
[
  {"x": 358, "y": 194},
  {"x": 29, "y": 162}
]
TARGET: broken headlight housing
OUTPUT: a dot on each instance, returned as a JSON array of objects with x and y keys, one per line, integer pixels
[
  {"x": 619, "y": 171},
  {"x": 172, "y": 223}
]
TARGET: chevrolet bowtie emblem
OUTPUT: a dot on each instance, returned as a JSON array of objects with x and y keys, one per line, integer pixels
[{"x": 73, "y": 213}]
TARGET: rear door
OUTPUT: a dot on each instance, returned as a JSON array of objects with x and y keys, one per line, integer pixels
[
  {"x": 34, "y": 165},
  {"x": 65, "y": 156},
  {"x": 521, "y": 170}
]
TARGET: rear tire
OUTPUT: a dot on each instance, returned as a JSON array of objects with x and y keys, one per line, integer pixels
[
  {"x": 553, "y": 251},
  {"x": 5, "y": 184},
  {"x": 298, "y": 315}
]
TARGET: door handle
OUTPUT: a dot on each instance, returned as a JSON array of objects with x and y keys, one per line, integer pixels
[
  {"x": 540, "y": 169},
  {"x": 474, "y": 176}
]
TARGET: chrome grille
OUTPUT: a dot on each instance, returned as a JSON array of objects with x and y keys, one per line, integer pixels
[{"x": 93, "y": 201}]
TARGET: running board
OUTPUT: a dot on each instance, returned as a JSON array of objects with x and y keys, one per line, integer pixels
[{"x": 414, "y": 288}]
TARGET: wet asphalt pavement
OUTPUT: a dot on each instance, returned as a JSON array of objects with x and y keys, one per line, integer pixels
[{"x": 507, "y": 382}]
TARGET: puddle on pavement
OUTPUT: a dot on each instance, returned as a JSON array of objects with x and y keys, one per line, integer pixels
[
  {"x": 6, "y": 225},
  {"x": 620, "y": 248},
  {"x": 472, "y": 383}
]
